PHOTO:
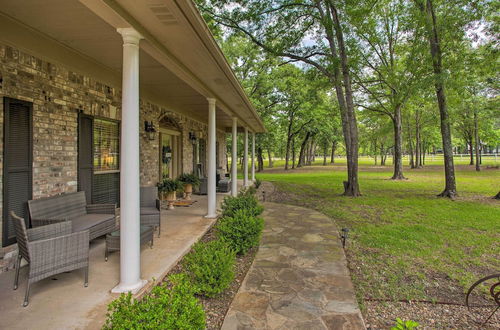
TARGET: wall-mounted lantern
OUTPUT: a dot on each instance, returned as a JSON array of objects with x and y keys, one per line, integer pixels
[
  {"x": 192, "y": 137},
  {"x": 150, "y": 130}
]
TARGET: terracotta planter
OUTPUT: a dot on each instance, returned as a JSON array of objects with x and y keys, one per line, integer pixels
[
  {"x": 188, "y": 188},
  {"x": 171, "y": 198},
  {"x": 188, "y": 191}
]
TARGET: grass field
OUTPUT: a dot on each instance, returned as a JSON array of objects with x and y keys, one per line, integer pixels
[
  {"x": 487, "y": 160},
  {"x": 405, "y": 243}
]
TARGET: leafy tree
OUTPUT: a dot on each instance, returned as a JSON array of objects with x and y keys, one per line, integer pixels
[
  {"x": 390, "y": 50},
  {"x": 312, "y": 32},
  {"x": 445, "y": 22},
  {"x": 379, "y": 61}
]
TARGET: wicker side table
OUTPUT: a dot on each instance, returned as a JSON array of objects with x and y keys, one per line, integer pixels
[{"x": 113, "y": 240}]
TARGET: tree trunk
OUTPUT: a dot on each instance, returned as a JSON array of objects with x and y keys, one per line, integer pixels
[
  {"x": 420, "y": 147},
  {"x": 306, "y": 153},
  {"x": 325, "y": 153},
  {"x": 420, "y": 160},
  {"x": 497, "y": 196},
  {"x": 471, "y": 151},
  {"x": 410, "y": 144},
  {"x": 382, "y": 154},
  {"x": 293, "y": 152},
  {"x": 287, "y": 155},
  {"x": 350, "y": 127},
  {"x": 450, "y": 189},
  {"x": 310, "y": 151},
  {"x": 270, "y": 158},
  {"x": 398, "y": 154},
  {"x": 417, "y": 143},
  {"x": 332, "y": 157},
  {"x": 313, "y": 155},
  {"x": 303, "y": 149},
  {"x": 260, "y": 160},
  {"x": 424, "y": 151},
  {"x": 476, "y": 141},
  {"x": 290, "y": 136}
]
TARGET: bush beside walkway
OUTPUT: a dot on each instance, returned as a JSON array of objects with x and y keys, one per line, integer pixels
[{"x": 207, "y": 270}]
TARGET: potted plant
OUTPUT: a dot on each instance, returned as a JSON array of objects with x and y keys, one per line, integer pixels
[
  {"x": 189, "y": 180},
  {"x": 168, "y": 188}
]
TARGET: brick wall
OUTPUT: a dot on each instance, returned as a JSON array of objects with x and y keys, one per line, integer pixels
[{"x": 58, "y": 94}]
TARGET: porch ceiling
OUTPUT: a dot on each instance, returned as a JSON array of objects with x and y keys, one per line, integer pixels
[{"x": 180, "y": 63}]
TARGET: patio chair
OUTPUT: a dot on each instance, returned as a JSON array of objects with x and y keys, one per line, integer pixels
[
  {"x": 150, "y": 208},
  {"x": 50, "y": 250}
]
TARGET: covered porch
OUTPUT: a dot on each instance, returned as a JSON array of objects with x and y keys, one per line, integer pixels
[
  {"x": 62, "y": 302},
  {"x": 133, "y": 64}
]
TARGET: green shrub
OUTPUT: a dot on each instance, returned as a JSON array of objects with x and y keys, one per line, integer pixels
[
  {"x": 250, "y": 190},
  {"x": 170, "y": 306},
  {"x": 257, "y": 183},
  {"x": 168, "y": 185},
  {"x": 245, "y": 201},
  {"x": 188, "y": 178},
  {"x": 404, "y": 325},
  {"x": 241, "y": 231},
  {"x": 210, "y": 267}
]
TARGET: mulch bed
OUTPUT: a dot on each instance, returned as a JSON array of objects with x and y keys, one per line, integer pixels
[
  {"x": 380, "y": 315},
  {"x": 217, "y": 307}
]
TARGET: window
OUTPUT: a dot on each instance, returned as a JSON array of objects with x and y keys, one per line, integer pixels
[{"x": 106, "y": 145}]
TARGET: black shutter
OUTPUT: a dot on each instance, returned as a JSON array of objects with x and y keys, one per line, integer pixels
[
  {"x": 18, "y": 164},
  {"x": 85, "y": 155}
]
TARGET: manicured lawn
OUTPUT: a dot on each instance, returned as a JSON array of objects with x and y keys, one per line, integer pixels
[
  {"x": 405, "y": 243},
  {"x": 488, "y": 160}
]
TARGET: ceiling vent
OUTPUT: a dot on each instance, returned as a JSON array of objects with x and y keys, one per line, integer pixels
[{"x": 163, "y": 14}]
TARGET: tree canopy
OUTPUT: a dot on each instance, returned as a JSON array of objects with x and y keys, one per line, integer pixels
[{"x": 376, "y": 77}]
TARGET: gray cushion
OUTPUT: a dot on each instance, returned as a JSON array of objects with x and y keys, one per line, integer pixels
[
  {"x": 149, "y": 211},
  {"x": 88, "y": 221}
]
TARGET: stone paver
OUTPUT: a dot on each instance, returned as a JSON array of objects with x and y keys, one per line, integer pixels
[{"x": 299, "y": 279}]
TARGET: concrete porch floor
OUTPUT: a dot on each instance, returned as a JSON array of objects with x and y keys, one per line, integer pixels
[{"x": 62, "y": 302}]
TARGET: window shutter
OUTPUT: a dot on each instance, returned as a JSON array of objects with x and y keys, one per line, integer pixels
[
  {"x": 18, "y": 159},
  {"x": 85, "y": 158}
]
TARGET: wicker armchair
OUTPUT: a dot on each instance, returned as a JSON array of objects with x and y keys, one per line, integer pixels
[
  {"x": 150, "y": 208},
  {"x": 50, "y": 250}
]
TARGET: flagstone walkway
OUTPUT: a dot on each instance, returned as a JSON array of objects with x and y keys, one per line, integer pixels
[{"x": 299, "y": 279}]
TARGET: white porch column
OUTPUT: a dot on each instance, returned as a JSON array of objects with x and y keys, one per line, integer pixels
[
  {"x": 130, "y": 249},
  {"x": 253, "y": 157},
  {"x": 234, "y": 159},
  {"x": 211, "y": 167},
  {"x": 245, "y": 160}
]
